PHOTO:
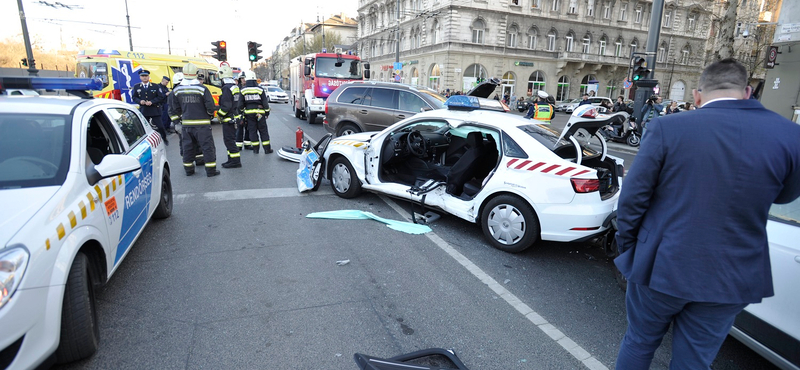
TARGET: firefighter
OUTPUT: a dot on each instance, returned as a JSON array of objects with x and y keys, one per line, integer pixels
[
  {"x": 242, "y": 133},
  {"x": 194, "y": 105},
  {"x": 229, "y": 114},
  {"x": 176, "y": 122},
  {"x": 256, "y": 111},
  {"x": 541, "y": 110}
]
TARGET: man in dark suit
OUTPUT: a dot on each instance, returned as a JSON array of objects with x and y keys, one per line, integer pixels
[
  {"x": 150, "y": 97},
  {"x": 692, "y": 219}
]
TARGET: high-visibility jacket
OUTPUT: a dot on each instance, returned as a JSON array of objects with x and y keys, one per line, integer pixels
[
  {"x": 543, "y": 112},
  {"x": 230, "y": 102},
  {"x": 255, "y": 101},
  {"x": 192, "y": 103}
]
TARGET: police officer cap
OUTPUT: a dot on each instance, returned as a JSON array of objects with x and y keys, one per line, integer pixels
[
  {"x": 165, "y": 78},
  {"x": 542, "y": 94},
  {"x": 144, "y": 72}
]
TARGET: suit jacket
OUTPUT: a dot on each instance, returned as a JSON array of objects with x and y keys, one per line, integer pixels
[
  {"x": 154, "y": 94},
  {"x": 693, "y": 209}
]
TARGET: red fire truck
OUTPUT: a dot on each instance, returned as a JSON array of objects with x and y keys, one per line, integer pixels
[{"x": 314, "y": 76}]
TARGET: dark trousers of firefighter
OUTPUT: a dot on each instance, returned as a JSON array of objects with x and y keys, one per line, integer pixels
[
  {"x": 258, "y": 127},
  {"x": 242, "y": 134},
  {"x": 155, "y": 123},
  {"x": 193, "y": 136},
  {"x": 229, "y": 138}
]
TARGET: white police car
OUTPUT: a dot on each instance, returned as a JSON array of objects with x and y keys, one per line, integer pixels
[
  {"x": 519, "y": 180},
  {"x": 79, "y": 180}
]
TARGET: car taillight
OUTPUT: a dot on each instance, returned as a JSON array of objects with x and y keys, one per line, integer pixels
[
  {"x": 585, "y": 185},
  {"x": 116, "y": 94},
  {"x": 326, "y": 107}
]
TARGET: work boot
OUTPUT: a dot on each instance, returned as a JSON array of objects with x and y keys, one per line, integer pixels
[
  {"x": 255, "y": 149},
  {"x": 189, "y": 170},
  {"x": 212, "y": 171},
  {"x": 233, "y": 163},
  {"x": 267, "y": 148},
  {"x": 248, "y": 146}
]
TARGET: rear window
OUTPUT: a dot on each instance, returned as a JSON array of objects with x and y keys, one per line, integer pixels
[
  {"x": 23, "y": 164},
  {"x": 93, "y": 70},
  {"x": 549, "y": 138},
  {"x": 352, "y": 95},
  {"x": 787, "y": 213}
]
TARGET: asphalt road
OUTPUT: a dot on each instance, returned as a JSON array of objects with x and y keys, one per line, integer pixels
[{"x": 238, "y": 277}]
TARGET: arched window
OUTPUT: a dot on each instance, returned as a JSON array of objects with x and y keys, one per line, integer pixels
[
  {"x": 587, "y": 44},
  {"x": 478, "y": 29},
  {"x": 570, "y": 41},
  {"x": 535, "y": 82},
  {"x": 434, "y": 80},
  {"x": 508, "y": 83},
  {"x": 512, "y": 36},
  {"x": 618, "y": 46},
  {"x": 603, "y": 42},
  {"x": 662, "y": 53},
  {"x": 551, "y": 40},
  {"x": 436, "y": 27},
  {"x": 562, "y": 93},
  {"x": 589, "y": 85},
  {"x": 685, "y": 52},
  {"x": 473, "y": 75},
  {"x": 532, "y": 38},
  {"x": 414, "y": 76},
  {"x": 419, "y": 37},
  {"x": 678, "y": 91},
  {"x": 634, "y": 45}
]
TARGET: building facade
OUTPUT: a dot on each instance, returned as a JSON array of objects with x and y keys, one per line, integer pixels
[{"x": 564, "y": 47}]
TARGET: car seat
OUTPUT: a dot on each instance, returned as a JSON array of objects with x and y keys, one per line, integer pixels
[{"x": 465, "y": 168}]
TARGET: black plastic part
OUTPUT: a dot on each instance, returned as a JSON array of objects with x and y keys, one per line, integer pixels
[
  {"x": 401, "y": 362},
  {"x": 8, "y": 354}
]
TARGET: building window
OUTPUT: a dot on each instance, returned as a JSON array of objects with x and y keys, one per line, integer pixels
[
  {"x": 478, "y": 28},
  {"x": 568, "y": 45},
  {"x": 668, "y": 19},
  {"x": 515, "y": 2},
  {"x": 606, "y": 10},
  {"x": 535, "y": 83},
  {"x": 587, "y": 44},
  {"x": 551, "y": 41},
  {"x": 435, "y": 77},
  {"x": 690, "y": 22},
  {"x": 634, "y": 45},
  {"x": 573, "y": 7},
  {"x": 512, "y": 37},
  {"x": 685, "y": 55},
  {"x": 662, "y": 54},
  {"x": 618, "y": 48},
  {"x": 639, "y": 12},
  {"x": 435, "y": 32},
  {"x": 562, "y": 93},
  {"x": 532, "y": 39},
  {"x": 590, "y": 8},
  {"x": 623, "y": 11},
  {"x": 535, "y": 3},
  {"x": 556, "y": 5},
  {"x": 602, "y": 47}
]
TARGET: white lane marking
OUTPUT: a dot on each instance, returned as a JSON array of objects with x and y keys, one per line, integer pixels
[
  {"x": 251, "y": 194},
  {"x": 557, "y": 335}
]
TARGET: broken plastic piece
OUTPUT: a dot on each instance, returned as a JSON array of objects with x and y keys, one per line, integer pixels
[
  {"x": 342, "y": 262},
  {"x": 406, "y": 227}
]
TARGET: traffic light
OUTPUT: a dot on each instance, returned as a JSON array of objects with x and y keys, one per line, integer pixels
[
  {"x": 24, "y": 62},
  {"x": 220, "y": 50},
  {"x": 640, "y": 71},
  {"x": 252, "y": 51}
]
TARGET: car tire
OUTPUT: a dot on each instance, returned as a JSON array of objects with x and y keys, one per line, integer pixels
[
  {"x": 506, "y": 213},
  {"x": 310, "y": 117},
  {"x": 347, "y": 129},
  {"x": 622, "y": 282},
  {"x": 297, "y": 113},
  {"x": 344, "y": 181},
  {"x": 164, "y": 208},
  {"x": 80, "y": 334}
]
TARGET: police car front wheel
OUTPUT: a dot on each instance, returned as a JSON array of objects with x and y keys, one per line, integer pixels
[
  {"x": 80, "y": 335},
  {"x": 164, "y": 208},
  {"x": 509, "y": 223},
  {"x": 344, "y": 181}
]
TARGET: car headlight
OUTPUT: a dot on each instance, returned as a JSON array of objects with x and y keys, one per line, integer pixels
[
  {"x": 12, "y": 267},
  {"x": 317, "y": 101}
]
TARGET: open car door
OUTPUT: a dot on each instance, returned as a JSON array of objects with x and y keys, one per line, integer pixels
[{"x": 309, "y": 174}]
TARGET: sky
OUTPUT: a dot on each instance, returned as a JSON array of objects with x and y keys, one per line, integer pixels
[{"x": 190, "y": 26}]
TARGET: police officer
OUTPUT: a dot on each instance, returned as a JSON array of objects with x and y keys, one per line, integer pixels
[
  {"x": 165, "y": 121},
  {"x": 194, "y": 105},
  {"x": 256, "y": 111},
  {"x": 242, "y": 133},
  {"x": 541, "y": 110},
  {"x": 229, "y": 114},
  {"x": 150, "y": 97}
]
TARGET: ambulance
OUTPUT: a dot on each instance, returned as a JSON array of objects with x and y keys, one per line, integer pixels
[{"x": 119, "y": 71}]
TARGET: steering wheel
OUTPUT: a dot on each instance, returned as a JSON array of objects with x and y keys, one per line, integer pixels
[
  {"x": 41, "y": 162},
  {"x": 416, "y": 143}
]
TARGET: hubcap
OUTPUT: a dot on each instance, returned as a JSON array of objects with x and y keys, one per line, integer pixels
[
  {"x": 347, "y": 131},
  {"x": 506, "y": 224},
  {"x": 341, "y": 178}
]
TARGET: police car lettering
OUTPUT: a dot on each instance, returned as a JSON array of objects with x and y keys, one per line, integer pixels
[{"x": 138, "y": 190}]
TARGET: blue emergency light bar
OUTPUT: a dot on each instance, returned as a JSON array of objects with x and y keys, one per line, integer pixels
[
  {"x": 462, "y": 102},
  {"x": 51, "y": 83}
]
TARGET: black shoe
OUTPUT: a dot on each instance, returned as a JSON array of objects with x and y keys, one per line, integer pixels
[
  {"x": 255, "y": 149},
  {"x": 267, "y": 150},
  {"x": 189, "y": 172},
  {"x": 232, "y": 165},
  {"x": 248, "y": 147},
  {"x": 212, "y": 173}
]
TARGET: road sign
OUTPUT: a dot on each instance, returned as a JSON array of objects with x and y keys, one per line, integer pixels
[
  {"x": 627, "y": 83},
  {"x": 396, "y": 78},
  {"x": 772, "y": 56},
  {"x": 397, "y": 65}
]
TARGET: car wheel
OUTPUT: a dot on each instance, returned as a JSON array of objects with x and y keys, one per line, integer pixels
[
  {"x": 80, "y": 335},
  {"x": 622, "y": 282},
  {"x": 348, "y": 129},
  {"x": 344, "y": 181},
  {"x": 633, "y": 140},
  {"x": 310, "y": 117},
  {"x": 509, "y": 223},
  {"x": 164, "y": 208},
  {"x": 297, "y": 113}
]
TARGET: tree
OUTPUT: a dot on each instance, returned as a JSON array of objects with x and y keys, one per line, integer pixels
[
  {"x": 314, "y": 45},
  {"x": 12, "y": 50},
  {"x": 727, "y": 30}
]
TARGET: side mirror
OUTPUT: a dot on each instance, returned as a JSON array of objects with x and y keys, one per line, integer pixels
[
  {"x": 366, "y": 66},
  {"x": 366, "y": 74},
  {"x": 112, "y": 165},
  {"x": 307, "y": 70}
]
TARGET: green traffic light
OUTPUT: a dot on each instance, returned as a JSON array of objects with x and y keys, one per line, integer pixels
[
  {"x": 636, "y": 78},
  {"x": 252, "y": 57}
]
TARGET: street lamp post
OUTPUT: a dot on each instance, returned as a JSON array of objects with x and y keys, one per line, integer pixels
[
  {"x": 28, "y": 50},
  {"x": 169, "y": 44},
  {"x": 128, "y": 17}
]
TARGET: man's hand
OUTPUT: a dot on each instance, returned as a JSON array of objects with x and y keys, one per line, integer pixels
[{"x": 141, "y": 102}]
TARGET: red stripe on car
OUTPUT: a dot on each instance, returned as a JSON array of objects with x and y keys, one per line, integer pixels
[
  {"x": 548, "y": 169},
  {"x": 523, "y": 164},
  {"x": 565, "y": 171},
  {"x": 581, "y": 173}
]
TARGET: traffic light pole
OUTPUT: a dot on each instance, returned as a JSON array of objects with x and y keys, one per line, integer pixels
[
  {"x": 28, "y": 50},
  {"x": 644, "y": 87}
]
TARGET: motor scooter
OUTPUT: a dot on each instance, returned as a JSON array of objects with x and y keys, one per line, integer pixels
[{"x": 615, "y": 131}]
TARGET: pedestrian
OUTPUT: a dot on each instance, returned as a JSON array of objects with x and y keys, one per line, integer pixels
[
  {"x": 242, "y": 132},
  {"x": 150, "y": 97},
  {"x": 165, "y": 121},
  {"x": 229, "y": 113},
  {"x": 541, "y": 110},
  {"x": 695, "y": 258},
  {"x": 585, "y": 100},
  {"x": 688, "y": 106},
  {"x": 194, "y": 106},
  {"x": 619, "y": 105},
  {"x": 650, "y": 110},
  {"x": 673, "y": 108},
  {"x": 513, "y": 99},
  {"x": 201, "y": 78},
  {"x": 256, "y": 112}
]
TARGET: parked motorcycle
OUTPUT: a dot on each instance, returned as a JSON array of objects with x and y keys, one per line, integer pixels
[{"x": 615, "y": 132}]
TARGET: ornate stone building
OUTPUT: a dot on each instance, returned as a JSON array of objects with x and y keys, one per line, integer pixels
[{"x": 564, "y": 47}]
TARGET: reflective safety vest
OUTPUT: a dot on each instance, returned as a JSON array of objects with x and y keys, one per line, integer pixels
[
  {"x": 255, "y": 100},
  {"x": 543, "y": 112}
]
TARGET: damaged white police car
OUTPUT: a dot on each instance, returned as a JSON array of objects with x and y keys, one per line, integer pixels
[
  {"x": 79, "y": 180},
  {"x": 521, "y": 181}
]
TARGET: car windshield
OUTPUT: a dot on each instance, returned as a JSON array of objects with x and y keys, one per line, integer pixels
[
  {"x": 23, "y": 164},
  {"x": 331, "y": 67},
  {"x": 275, "y": 89},
  {"x": 549, "y": 138}
]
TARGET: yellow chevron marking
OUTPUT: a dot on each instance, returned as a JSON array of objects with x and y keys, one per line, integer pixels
[
  {"x": 114, "y": 185},
  {"x": 99, "y": 192},
  {"x": 108, "y": 191},
  {"x": 47, "y": 244},
  {"x": 82, "y": 206},
  {"x": 73, "y": 221},
  {"x": 91, "y": 200},
  {"x": 60, "y": 231}
]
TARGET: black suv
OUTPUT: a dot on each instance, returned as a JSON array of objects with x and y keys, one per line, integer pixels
[{"x": 372, "y": 106}]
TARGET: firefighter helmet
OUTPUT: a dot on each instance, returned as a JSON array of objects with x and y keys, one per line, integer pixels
[
  {"x": 190, "y": 71},
  {"x": 225, "y": 72},
  {"x": 177, "y": 79},
  {"x": 249, "y": 75}
]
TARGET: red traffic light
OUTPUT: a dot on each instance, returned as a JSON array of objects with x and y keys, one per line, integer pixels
[{"x": 222, "y": 44}]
